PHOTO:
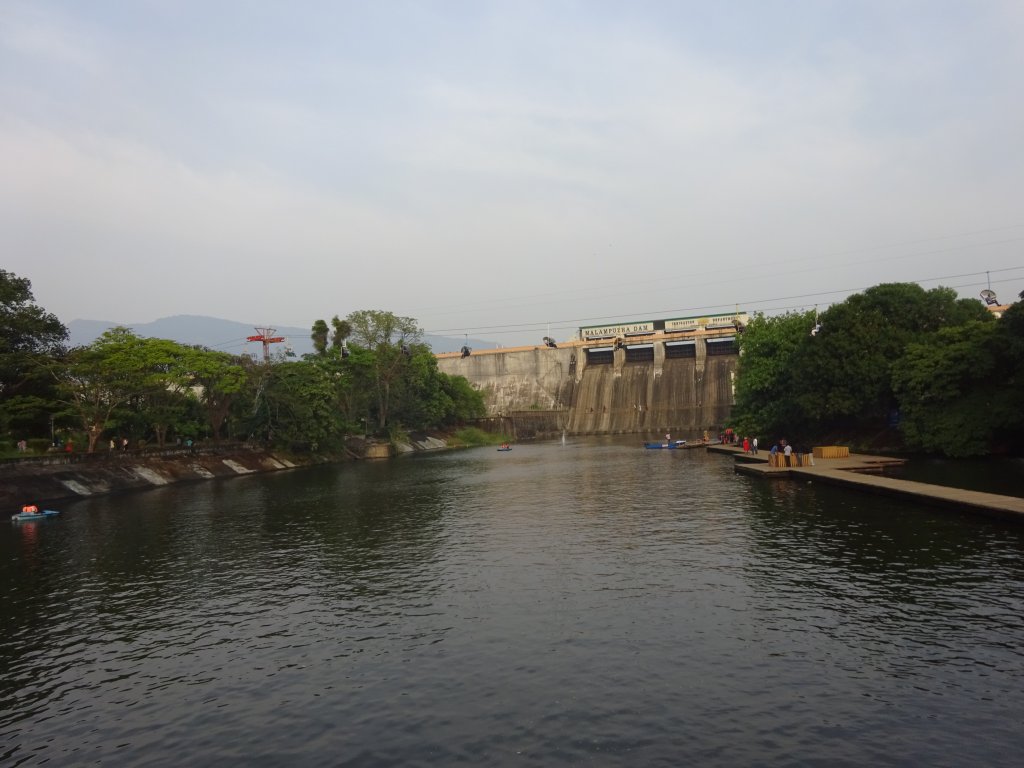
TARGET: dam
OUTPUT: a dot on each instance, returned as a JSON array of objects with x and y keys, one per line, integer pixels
[{"x": 655, "y": 377}]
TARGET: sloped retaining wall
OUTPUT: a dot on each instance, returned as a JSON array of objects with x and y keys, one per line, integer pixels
[
  {"x": 58, "y": 477},
  {"x": 50, "y": 479}
]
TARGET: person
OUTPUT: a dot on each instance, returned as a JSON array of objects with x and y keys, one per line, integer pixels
[
  {"x": 753, "y": 445},
  {"x": 22, "y": 446},
  {"x": 773, "y": 454},
  {"x": 787, "y": 451},
  {"x": 113, "y": 445},
  {"x": 69, "y": 446},
  {"x": 746, "y": 445},
  {"x": 124, "y": 443},
  {"x": 668, "y": 437},
  {"x": 30, "y": 509}
]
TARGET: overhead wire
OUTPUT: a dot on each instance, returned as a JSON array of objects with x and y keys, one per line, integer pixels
[{"x": 575, "y": 323}]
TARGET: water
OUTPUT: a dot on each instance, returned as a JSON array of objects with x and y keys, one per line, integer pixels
[
  {"x": 1003, "y": 475},
  {"x": 592, "y": 603}
]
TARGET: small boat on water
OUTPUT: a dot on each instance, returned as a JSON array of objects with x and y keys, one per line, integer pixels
[
  {"x": 24, "y": 517},
  {"x": 505, "y": 448},
  {"x": 669, "y": 445}
]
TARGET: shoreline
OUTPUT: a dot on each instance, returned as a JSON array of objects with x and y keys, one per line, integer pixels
[{"x": 49, "y": 479}]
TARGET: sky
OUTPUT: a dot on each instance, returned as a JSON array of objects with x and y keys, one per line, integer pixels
[{"x": 506, "y": 170}]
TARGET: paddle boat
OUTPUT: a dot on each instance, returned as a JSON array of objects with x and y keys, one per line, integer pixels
[
  {"x": 672, "y": 444},
  {"x": 505, "y": 448},
  {"x": 42, "y": 514}
]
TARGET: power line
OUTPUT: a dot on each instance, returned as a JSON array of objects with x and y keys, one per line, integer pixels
[
  {"x": 662, "y": 280},
  {"x": 570, "y": 323}
]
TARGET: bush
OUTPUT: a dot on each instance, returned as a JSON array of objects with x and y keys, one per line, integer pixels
[{"x": 475, "y": 436}]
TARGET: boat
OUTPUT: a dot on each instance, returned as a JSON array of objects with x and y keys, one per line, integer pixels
[
  {"x": 24, "y": 517},
  {"x": 506, "y": 448},
  {"x": 673, "y": 444}
]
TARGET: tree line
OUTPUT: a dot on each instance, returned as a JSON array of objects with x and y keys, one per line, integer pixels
[
  {"x": 369, "y": 374},
  {"x": 896, "y": 366}
]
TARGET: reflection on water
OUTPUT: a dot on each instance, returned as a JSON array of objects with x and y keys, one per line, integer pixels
[
  {"x": 592, "y": 602},
  {"x": 1004, "y": 476}
]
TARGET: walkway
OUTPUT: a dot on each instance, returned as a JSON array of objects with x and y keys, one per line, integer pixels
[{"x": 857, "y": 472}]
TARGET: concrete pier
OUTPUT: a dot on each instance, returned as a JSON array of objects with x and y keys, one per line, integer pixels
[{"x": 859, "y": 471}]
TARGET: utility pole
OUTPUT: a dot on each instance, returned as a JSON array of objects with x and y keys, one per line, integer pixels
[{"x": 267, "y": 337}]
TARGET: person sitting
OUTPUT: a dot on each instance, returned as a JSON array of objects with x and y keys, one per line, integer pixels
[{"x": 30, "y": 509}]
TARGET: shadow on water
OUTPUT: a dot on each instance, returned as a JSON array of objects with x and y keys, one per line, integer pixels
[{"x": 1002, "y": 475}]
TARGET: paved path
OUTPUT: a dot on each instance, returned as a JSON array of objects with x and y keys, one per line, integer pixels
[{"x": 857, "y": 472}]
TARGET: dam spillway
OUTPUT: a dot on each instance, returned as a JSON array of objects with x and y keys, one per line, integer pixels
[{"x": 656, "y": 385}]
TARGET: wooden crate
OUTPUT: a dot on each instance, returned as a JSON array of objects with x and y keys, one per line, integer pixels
[{"x": 831, "y": 452}]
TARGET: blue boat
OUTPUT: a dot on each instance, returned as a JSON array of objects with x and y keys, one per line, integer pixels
[
  {"x": 27, "y": 517},
  {"x": 673, "y": 444}
]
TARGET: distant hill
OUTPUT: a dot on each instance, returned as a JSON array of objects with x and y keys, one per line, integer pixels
[{"x": 230, "y": 335}]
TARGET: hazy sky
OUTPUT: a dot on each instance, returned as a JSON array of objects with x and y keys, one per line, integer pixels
[{"x": 496, "y": 168}]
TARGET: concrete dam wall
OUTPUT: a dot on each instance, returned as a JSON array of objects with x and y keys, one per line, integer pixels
[{"x": 665, "y": 385}]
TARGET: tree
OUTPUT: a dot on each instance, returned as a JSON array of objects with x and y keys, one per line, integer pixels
[
  {"x": 319, "y": 336},
  {"x": 219, "y": 379},
  {"x": 342, "y": 330},
  {"x": 766, "y": 373},
  {"x": 101, "y": 377},
  {"x": 846, "y": 370},
  {"x": 30, "y": 338},
  {"x": 961, "y": 390},
  {"x": 297, "y": 405},
  {"x": 166, "y": 385},
  {"x": 390, "y": 338}
]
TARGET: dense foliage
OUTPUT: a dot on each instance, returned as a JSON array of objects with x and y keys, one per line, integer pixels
[
  {"x": 896, "y": 363},
  {"x": 29, "y": 338},
  {"x": 125, "y": 387}
]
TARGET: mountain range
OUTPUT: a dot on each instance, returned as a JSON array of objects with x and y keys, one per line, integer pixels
[{"x": 230, "y": 335}]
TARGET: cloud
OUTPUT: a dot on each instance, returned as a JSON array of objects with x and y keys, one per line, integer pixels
[{"x": 566, "y": 160}]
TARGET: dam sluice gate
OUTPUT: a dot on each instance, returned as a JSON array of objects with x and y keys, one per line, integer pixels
[{"x": 648, "y": 386}]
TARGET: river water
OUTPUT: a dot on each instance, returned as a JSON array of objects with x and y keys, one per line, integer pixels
[{"x": 588, "y": 603}]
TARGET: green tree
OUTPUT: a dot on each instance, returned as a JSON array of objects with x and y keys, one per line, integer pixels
[
  {"x": 30, "y": 339},
  {"x": 390, "y": 338},
  {"x": 218, "y": 381},
  {"x": 342, "y": 330},
  {"x": 960, "y": 390},
  {"x": 764, "y": 389},
  {"x": 845, "y": 371},
  {"x": 165, "y": 394},
  {"x": 297, "y": 405},
  {"x": 102, "y": 377},
  {"x": 319, "y": 336}
]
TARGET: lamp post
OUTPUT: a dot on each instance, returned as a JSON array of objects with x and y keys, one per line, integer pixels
[{"x": 52, "y": 440}]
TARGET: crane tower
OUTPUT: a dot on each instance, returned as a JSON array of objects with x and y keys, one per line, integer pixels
[{"x": 267, "y": 337}]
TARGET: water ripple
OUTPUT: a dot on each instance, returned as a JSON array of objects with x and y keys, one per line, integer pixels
[{"x": 557, "y": 605}]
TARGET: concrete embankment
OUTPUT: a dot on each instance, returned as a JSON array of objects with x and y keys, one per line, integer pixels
[
  {"x": 863, "y": 472},
  {"x": 49, "y": 479},
  {"x": 46, "y": 480}
]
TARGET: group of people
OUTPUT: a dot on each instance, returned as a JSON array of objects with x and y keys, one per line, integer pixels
[
  {"x": 779, "y": 447},
  {"x": 30, "y": 509},
  {"x": 786, "y": 449}
]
